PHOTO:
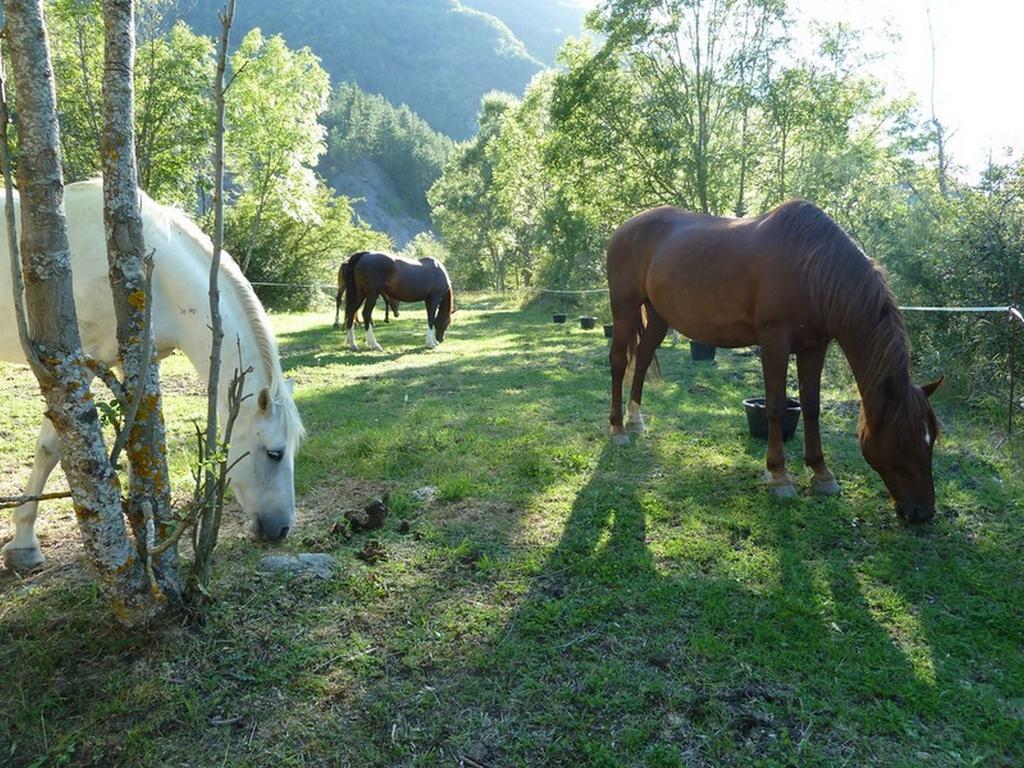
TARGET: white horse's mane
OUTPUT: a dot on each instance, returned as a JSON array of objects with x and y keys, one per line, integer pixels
[{"x": 280, "y": 394}]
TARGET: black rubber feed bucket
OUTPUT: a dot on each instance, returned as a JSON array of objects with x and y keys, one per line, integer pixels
[
  {"x": 609, "y": 331},
  {"x": 587, "y": 323},
  {"x": 757, "y": 418},
  {"x": 558, "y": 318},
  {"x": 702, "y": 352}
]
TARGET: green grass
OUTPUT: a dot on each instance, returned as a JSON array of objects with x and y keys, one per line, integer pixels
[{"x": 564, "y": 601}]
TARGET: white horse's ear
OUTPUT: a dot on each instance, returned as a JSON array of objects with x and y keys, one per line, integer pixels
[{"x": 263, "y": 401}]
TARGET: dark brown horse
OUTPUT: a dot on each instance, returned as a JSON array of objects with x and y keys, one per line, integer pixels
[
  {"x": 790, "y": 281},
  {"x": 369, "y": 275},
  {"x": 389, "y": 303}
]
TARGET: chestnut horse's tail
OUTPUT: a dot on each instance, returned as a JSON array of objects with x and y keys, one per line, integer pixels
[
  {"x": 640, "y": 323},
  {"x": 347, "y": 284},
  {"x": 342, "y": 283}
]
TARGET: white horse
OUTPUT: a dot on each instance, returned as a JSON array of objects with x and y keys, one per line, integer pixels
[{"x": 268, "y": 427}]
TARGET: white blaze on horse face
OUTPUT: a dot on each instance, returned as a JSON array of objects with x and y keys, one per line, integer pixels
[
  {"x": 927, "y": 436},
  {"x": 371, "y": 340}
]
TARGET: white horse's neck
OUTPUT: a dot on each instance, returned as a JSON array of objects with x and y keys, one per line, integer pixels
[
  {"x": 182, "y": 309},
  {"x": 240, "y": 349}
]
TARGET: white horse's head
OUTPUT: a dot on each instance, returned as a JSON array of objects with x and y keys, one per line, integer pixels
[{"x": 264, "y": 442}]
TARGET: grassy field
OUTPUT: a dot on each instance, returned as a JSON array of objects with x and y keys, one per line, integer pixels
[{"x": 563, "y": 601}]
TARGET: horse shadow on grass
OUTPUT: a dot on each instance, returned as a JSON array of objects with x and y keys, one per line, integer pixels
[{"x": 673, "y": 624}]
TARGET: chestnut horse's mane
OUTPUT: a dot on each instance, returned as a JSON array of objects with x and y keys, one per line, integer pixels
[{"x": 857, "y": 307}]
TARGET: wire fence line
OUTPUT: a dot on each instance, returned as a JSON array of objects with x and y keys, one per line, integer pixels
[
  {"x": 325, "y": 286},
  {"x": 1002, "y": 309},
  {"x": 1012, "y": 312}
]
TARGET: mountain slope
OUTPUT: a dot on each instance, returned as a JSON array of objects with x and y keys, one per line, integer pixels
[
  {"x": 437, "y": 56},
  {"x": 542, "y": 25}
]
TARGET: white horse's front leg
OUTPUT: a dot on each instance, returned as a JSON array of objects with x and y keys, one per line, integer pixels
[
  {"x": 352, "y": 339},
  {"x": 22, "y": 552},
  {"x": 371, "y": 341},
  {"x": 431, "y": 338}
]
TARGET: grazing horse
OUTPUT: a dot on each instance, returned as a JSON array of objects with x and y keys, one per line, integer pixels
[
  {"x": 389, "y": 303},
  {"x": 790, "y": 281},
  {"x": 268, "y": 429},
  {"x": 369, "y": 275}
]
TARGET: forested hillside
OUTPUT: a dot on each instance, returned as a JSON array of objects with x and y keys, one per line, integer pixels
[
  {"x": 542, "y": 25},
  {"x": 386, "y": 155},
  {"x": 437, "y": 56}
]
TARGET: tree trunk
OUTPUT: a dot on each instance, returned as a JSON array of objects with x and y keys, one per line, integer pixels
[
  {"x": 53, "y": 324},
  {"x": 149, "y": 499},
  {"x": 209, "y": 526}
]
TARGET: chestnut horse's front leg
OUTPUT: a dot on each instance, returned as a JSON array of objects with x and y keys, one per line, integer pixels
[
  {"x": 775, "y": 346},
  {"x": 809, "y": 364}
]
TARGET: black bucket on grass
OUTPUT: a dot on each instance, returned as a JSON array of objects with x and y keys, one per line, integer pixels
[
  {"x": 702, "y": 352},
  {"x": 757, "y": 417}
]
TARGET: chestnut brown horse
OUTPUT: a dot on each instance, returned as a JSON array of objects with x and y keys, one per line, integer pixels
[
  {"x": 390, "y": 304},
  {"x": 790, "y": 281},
  {"x": 369, "y": 275}
]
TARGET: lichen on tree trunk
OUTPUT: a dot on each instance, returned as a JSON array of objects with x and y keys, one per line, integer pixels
[
  {"x": 149, "y": 488},
  {"x": 52, "y": 321}
]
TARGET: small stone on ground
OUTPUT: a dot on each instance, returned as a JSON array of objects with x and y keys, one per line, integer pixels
[
  {"x": 425, "y": 495},
  {"x": 319, "y": 566}
]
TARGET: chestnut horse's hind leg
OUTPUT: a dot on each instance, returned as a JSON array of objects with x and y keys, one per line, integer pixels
[
  {"x": 652, "y": 337},
  {"x": 774, "y": 362},
  {"x": 351, "y": 309},
  {"x": 22, "y": 552},
  {"x": 808, "y": 366},
  {"x": 432, "y": 304},
  {"x": 371, "y": 340},
  {"x": 618, "y": 357}
]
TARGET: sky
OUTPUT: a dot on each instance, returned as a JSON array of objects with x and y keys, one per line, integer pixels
[
  {"x": 979, "y": 63},
  {"x": 979, "y": 60}
]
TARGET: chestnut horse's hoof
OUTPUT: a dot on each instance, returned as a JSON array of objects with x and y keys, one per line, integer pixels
[
  {"x": 619, "y": 438},
  {"x": 825, "y": 486},
  {"x": 781, "y": 487},
  {"x": 784, "y": 491},
  {"x": 635, "y": 422}
]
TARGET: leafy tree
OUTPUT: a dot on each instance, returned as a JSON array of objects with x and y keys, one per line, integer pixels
[
  {"x": 273, "y": 138},
  {"x": 172, "y": 78},
  {"x": 300, "y": 250},
  {"x": 465, "y": 206}
]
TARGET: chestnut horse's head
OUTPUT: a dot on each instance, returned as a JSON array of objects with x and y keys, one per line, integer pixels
[{"x": 897, "y": 442}]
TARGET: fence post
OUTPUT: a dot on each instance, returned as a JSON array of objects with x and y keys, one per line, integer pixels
[{"x": 1015, "y": 316}]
